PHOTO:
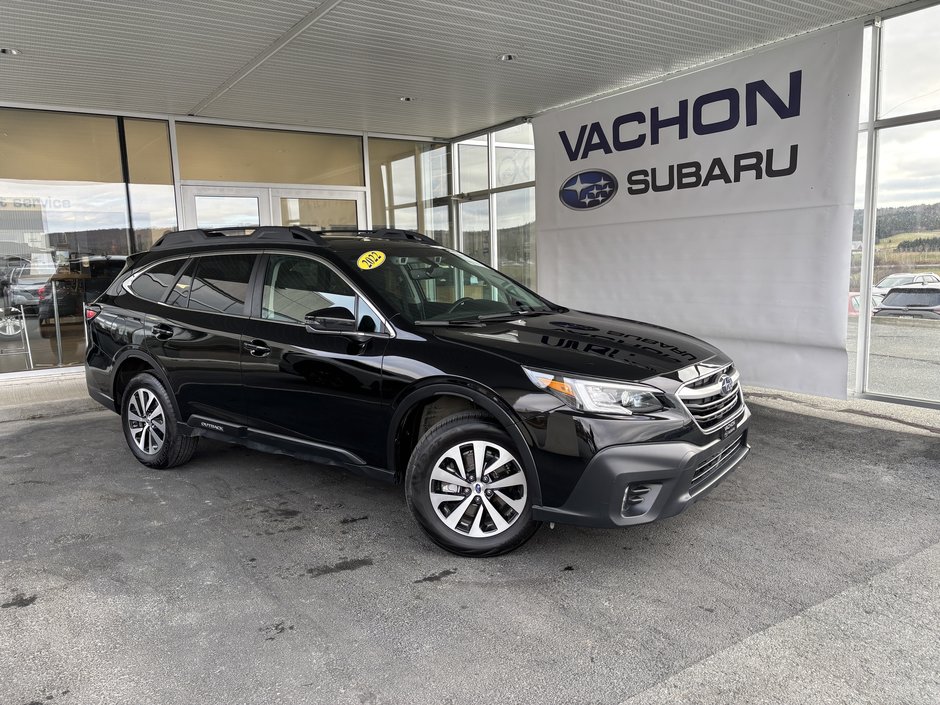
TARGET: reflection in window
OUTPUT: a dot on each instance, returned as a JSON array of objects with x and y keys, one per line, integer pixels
[
  {"x": 152, "y": 196},
  {"x": 227, "y": 212},
  {"x": 220, "y": 283},
  {"x": 64, "y": 226},
  {"x": 153, "y": 284}
]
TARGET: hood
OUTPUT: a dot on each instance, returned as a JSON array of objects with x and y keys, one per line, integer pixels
[{"x": 587, "y": 344}]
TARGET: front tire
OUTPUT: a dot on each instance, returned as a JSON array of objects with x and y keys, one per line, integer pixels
[
  {"x": 150, "y": 425},
  {"x": 467, "y": 488}
]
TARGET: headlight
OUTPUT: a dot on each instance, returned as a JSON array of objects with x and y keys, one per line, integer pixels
[{"x": 598, "y": 396}]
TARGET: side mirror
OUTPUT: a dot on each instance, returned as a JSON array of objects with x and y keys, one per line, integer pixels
[{"x": 335, "y": 319}]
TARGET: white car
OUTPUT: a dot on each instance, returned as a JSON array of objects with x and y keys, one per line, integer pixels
[{"x": 904, "y": 279}]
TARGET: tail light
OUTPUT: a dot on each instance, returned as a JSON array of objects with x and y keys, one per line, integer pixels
[{"x": 92, "y": 311}]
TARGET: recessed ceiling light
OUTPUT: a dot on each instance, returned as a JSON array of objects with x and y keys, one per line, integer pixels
[
  {"x": 508, "y": 57},
  {"x": 10, "y": 52},
  {"x": 407, "y": 99}
]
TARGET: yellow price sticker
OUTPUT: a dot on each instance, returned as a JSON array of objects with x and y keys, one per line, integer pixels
[{"x": 371, "y": 259}]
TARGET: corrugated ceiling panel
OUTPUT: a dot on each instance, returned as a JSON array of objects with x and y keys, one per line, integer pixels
[
  {"x": 349, "y": 69},
  {"x": 352, "y": 66},
  {"x": 134, "y": 55}
]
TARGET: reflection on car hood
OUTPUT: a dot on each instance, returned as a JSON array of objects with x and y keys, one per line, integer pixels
[{"x": 586, "y": 344}]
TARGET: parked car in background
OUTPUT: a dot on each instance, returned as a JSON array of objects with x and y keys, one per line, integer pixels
[
  {"x": 905, "y": 279},
  {"x": 24, "y": 289},
  {"x": 855, "y": 302},
  {"x": 83, "y": 281},
  {"x": 911, "y": 302}
]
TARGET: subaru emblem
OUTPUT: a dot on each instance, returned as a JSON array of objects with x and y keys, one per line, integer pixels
[
  {"x": 727, "y": 384},
  {"x": 588, "y": 189}
]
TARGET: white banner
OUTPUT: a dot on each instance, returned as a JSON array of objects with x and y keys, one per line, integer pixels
[{"x": 718, "y": 203}]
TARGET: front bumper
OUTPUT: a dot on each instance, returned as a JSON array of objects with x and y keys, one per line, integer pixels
[{"x": 662, "y": 480}]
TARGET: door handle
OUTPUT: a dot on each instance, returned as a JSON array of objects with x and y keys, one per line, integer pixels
[
  {"x": 257, "y": 348},
  {"x": 161, "y": 331}
]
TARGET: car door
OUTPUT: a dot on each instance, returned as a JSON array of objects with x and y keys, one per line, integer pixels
[
  {"x": 321, "y": 390},
  {"x": 196, "y": 335}
]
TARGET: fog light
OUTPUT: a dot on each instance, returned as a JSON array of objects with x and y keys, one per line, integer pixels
[{"x": 638, "y": 498}]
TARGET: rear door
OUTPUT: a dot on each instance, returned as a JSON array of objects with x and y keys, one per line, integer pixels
[
  {"x": 321, "y": 390},
  {"x": 195, "y": 333}
]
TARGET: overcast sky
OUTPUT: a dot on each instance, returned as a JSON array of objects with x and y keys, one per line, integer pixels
[{"x": 909, "y": 157}]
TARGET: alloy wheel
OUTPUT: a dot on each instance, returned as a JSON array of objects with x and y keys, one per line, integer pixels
[
  {"x": 10, "y": 325},
  {"x": 147, "y": 421},
  {"x": 478, "y": 489}
]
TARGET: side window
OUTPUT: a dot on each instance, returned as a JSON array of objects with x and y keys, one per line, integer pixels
[
  {"x": 220, "y": 283},
  {"x": 153, "y": 283},
  {"x": 295, "y": 286},
  {"x": 180, "y": 294}
]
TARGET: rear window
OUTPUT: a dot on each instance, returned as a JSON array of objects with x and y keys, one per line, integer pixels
[
  {"x": 153, "y": 283},
  {"x": 922, "y": 297}
]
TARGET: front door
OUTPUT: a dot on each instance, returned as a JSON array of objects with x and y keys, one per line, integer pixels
[{"x": 322, "y": 390}]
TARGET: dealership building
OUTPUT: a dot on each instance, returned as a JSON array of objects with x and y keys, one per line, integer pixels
[{"x": 749, "y": 175}]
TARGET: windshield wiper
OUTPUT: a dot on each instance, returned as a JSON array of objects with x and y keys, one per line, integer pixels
[
  {"x": 515, "y": 313},
  {"x": 456, "y": 322}
]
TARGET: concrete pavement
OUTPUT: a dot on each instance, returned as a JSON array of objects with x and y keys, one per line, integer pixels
[{"x": 810, "y": 575}]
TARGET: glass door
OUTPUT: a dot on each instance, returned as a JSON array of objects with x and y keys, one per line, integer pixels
[
  {"x": 209, "y": 207},
  {"x": 319, "y": 209}
]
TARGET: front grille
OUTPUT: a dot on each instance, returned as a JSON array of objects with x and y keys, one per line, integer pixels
[
  {"x": 708, "y": 404},
  {"x": 714, "y": 465}
]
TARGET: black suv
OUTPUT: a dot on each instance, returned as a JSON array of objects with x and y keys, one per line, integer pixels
[{"x": 394, "y": 357}]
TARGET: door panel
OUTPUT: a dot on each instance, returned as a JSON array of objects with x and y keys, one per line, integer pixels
[
  {"x": 321, "y": 388},
  {"x": 197, "y": 335}
]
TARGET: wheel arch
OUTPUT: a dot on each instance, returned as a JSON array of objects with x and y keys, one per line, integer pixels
[
  {"x": 410, "y": 408},
  {"x": 131, "y": 363}
]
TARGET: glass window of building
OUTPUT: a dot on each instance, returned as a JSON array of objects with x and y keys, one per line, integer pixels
[
  {"x": 896, "y": 241},
  {"x": 150, "y": 180},
  {"x": 515, "y": 234},
  {"x": 473, "y": 166},
  {"x": 64, "y": 231},
  {"x": 409, "y": 184},
  {"x": 496, "y": 176},
  {"x": 240, "y": 154},
  {"x": 910, "y": 82}
]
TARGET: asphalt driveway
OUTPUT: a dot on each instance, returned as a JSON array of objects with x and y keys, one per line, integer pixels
[{"x": 811, "y": 575}]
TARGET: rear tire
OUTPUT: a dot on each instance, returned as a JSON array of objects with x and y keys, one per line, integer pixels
[
  {"x": 150, "y": 425},
  {"x": 467, "y": 488}
]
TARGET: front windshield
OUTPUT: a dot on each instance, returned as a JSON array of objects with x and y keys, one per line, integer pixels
[{"x": 445, "y": 286}]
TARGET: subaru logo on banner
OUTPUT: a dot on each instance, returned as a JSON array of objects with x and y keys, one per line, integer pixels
[{"x": 588, "y": 189}]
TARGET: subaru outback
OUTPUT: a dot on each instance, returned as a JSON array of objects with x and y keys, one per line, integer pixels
[{"x": 394, "y": 357}]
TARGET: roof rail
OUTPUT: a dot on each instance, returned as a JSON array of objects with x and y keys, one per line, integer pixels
[
  {"x": 266, "y": 233},
  {"x": 385, "y": 234}
]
